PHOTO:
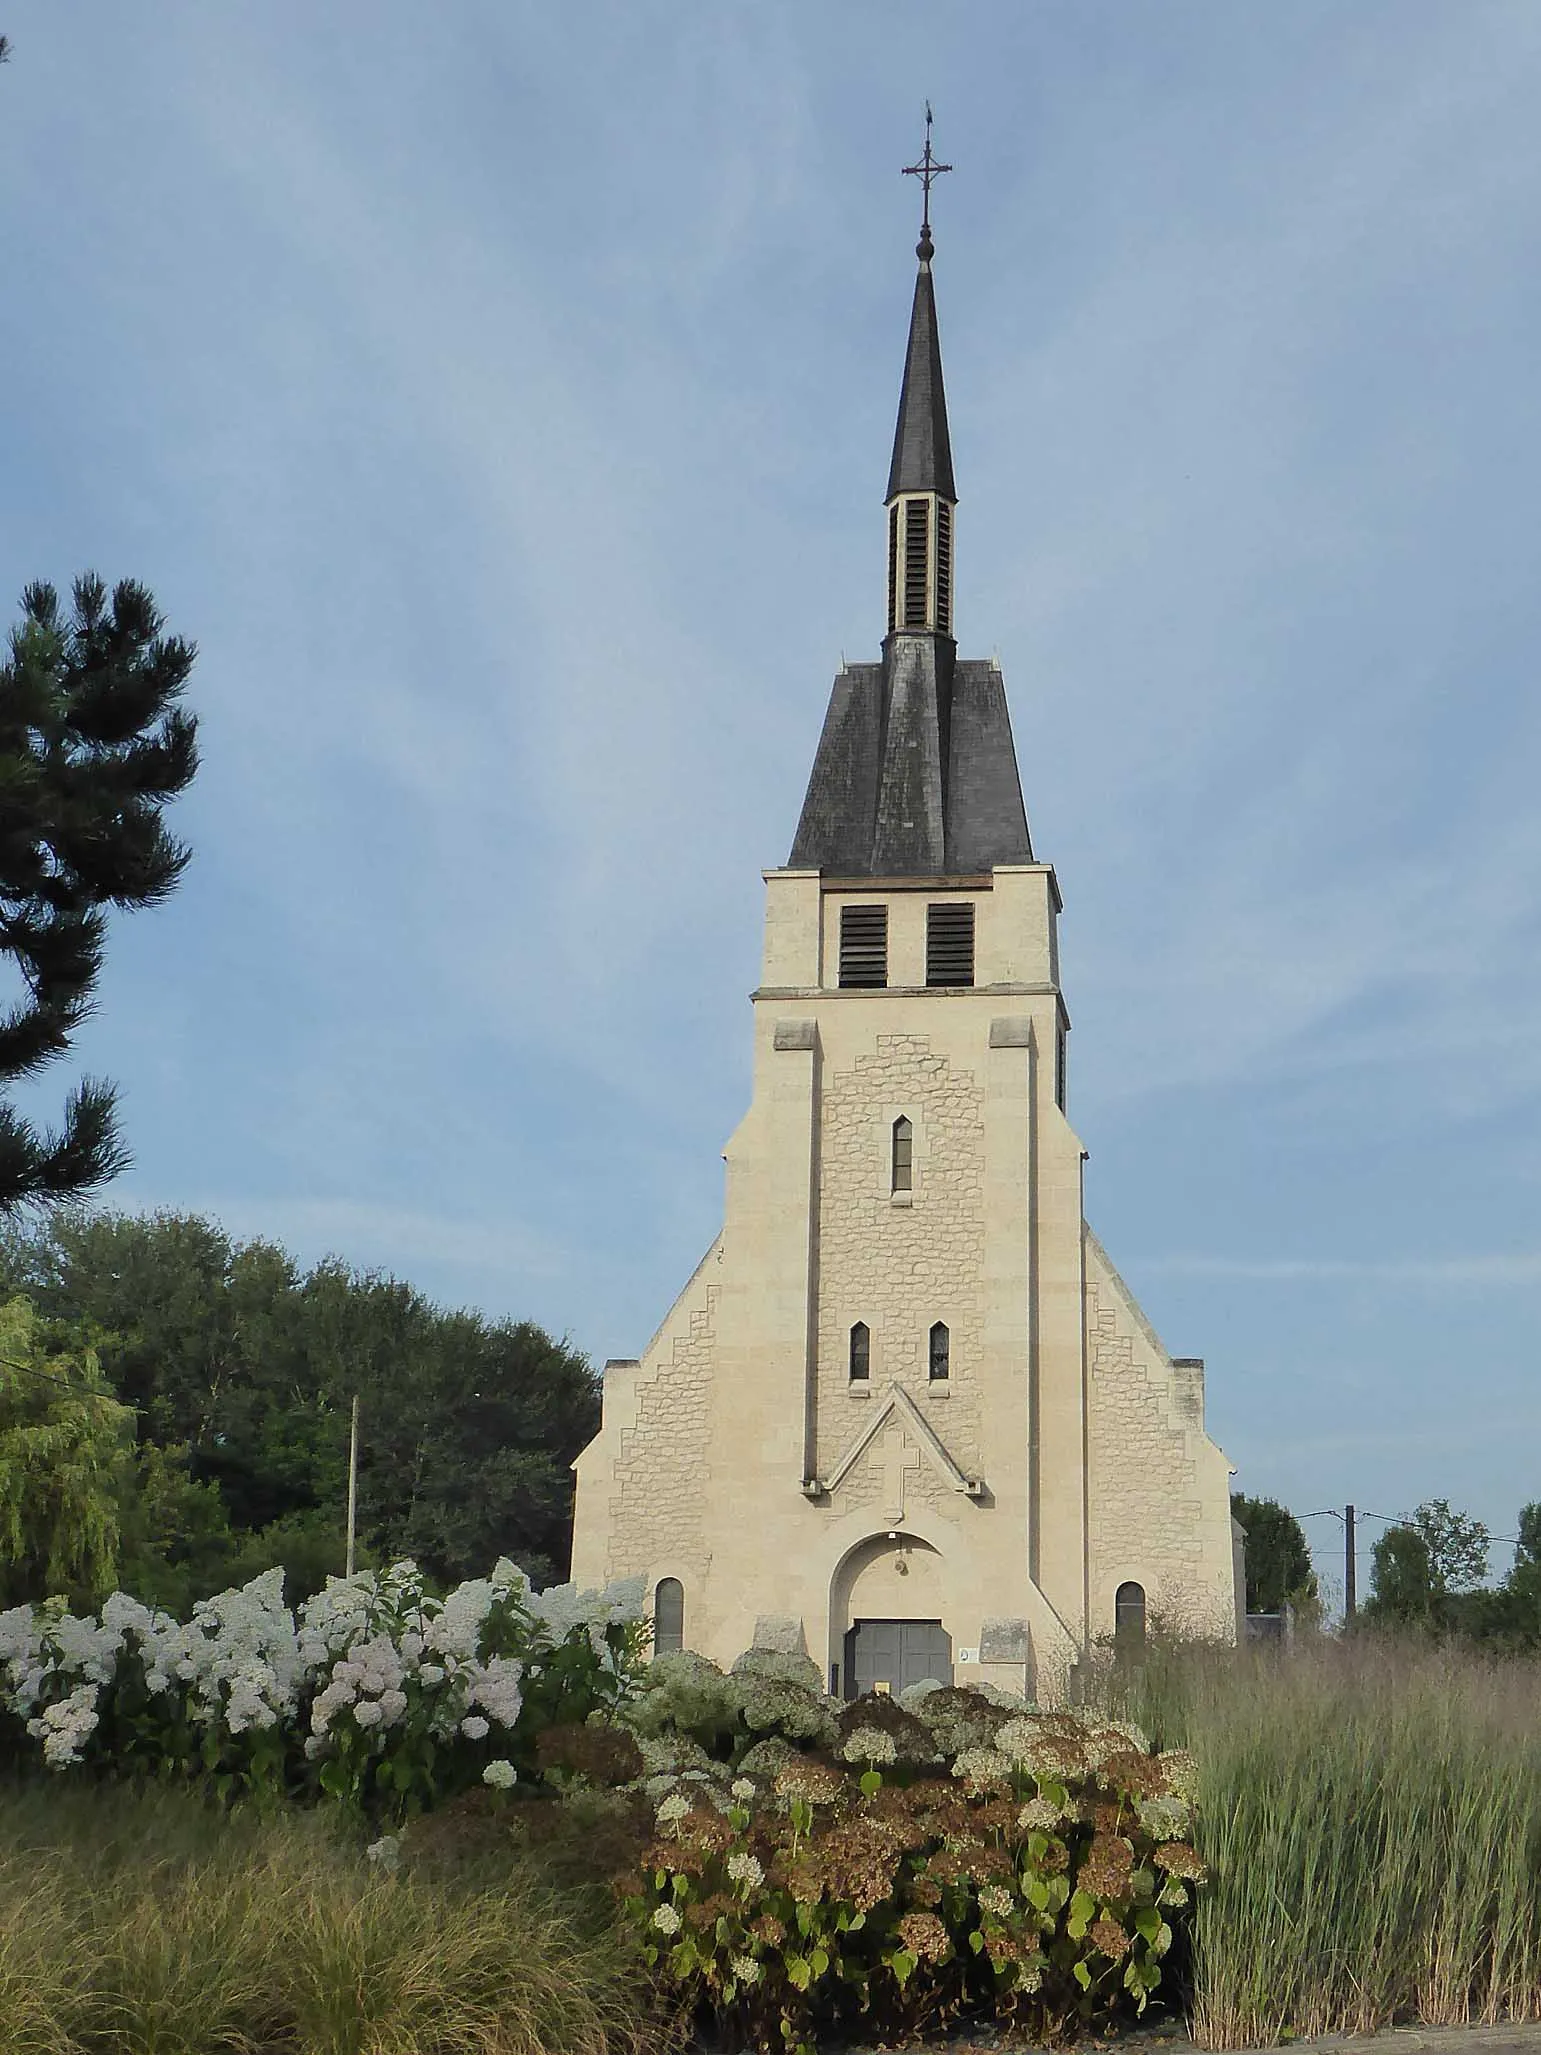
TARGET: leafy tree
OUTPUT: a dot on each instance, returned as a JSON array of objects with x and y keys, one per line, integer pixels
[
  {"x": 1279, "y": 1569},
  {"x": 63, "y": 1445},
  {"x": 93, "y": 746},
  {"x": 244, "y": 1370},
  {"x": 176, "y": 1543},
  {"x": 1403, "y": 1591},
  {"x": 1457, "y": 1546}
]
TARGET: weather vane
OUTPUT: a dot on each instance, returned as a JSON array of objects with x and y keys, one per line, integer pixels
[{"x": 926, "y": 170}]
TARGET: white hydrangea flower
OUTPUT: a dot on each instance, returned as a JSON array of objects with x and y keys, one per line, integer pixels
[
  {"x": 1039, "y": 1813},
  {"x": 667, "y": 1920},
  {"x": 746, "y": 1869},
  {"x": 982, "y": 1766},
  {"x": 745, "y": 1968},
  {"x": 501, "y": 1775},
  {"x": 65, "y": 1726},
  {"x": 674, "y": 1807},
  {"x": 871, "y": 1745},
  {"x": 1165, "y": 1819},
  {"x": 742, "y": 1788}
]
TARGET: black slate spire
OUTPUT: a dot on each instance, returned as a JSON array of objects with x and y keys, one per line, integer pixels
[
  {"x": 922, "y": 460},
  {"x": 916, "y": 772}
]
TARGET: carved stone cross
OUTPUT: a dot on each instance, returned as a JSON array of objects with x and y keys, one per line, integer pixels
[{"x": 903, "y": 1462}]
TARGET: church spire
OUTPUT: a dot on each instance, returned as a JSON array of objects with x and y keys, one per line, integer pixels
[
  {"x": 916, "y": 775},
  {"x": 921, "y": 495}
]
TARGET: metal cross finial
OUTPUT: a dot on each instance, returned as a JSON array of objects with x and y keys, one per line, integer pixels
[{"x": 927, "y": 169}]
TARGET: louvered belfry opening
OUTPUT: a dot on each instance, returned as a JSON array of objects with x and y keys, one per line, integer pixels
[
  {"x": 864, "y": 946},
  {"x": 917, "y": 535},
  {"x": 950, "y": 943},
  {"x": 944, "y": 566},
  {"x": 893, "y": 565}
]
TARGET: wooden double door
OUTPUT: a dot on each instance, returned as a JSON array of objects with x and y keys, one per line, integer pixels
[{"x": 892, "y": 1654}]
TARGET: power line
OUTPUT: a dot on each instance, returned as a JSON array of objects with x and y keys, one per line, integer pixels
[{"x": 64, "y": 1384}]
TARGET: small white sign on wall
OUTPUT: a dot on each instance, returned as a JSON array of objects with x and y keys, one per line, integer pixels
[{"x": 967, "y": 1655}]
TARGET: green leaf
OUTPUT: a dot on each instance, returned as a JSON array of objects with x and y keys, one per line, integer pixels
[
  {"x": 1083, "y": 1910},
  {"x": 871, "y": 1783},
  {"x": 976, "y": 1940},
  {"x": 799, "y": 1972},
  {"x": 820, "y": 1961},
  {"x": 1082, "y": 1975},
  {"x": 902, "y": 1963}
]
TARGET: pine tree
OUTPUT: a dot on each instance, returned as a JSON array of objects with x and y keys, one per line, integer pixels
[{"x": 93, "y": 745}]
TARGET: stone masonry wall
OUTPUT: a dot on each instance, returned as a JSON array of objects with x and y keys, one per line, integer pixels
[
  {"x": 1147, "y": 1512},
  {"x": 655, "y": 1508},
  {"x": 900, "y": 1267}
]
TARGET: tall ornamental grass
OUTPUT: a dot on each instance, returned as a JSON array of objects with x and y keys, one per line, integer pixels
[
  {"x": 1371, "y": 1815},
  {"x": 146, "y": 1924}
]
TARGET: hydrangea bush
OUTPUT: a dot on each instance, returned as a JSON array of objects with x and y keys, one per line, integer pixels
[
  {"x": 377, "y": 1693},
  {"x": 933, "y": 1858}
]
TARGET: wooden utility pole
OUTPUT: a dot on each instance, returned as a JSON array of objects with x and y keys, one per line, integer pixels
[
  {"x": 352, "y": 1486},
  {"x": 1350, "y": 1566}
]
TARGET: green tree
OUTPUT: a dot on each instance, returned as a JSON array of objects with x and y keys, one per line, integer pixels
[
  {"x": 1457, "y": 1546},
  {"x": 176, "y": 1544},
  {"x": 1403, "y": 1591},
  {"x": 64, "y": 1442},
  {"x": 93, "y": 746},
  {"x": 243, "y": 1370},
  {"x": 1279, "y": 1569}
]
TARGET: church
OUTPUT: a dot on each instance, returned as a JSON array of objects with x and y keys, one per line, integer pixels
[{"x": 906, "y": 1416}]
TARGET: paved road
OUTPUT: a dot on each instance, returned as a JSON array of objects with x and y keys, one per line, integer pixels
[{"x": 1173, "y": 2040}]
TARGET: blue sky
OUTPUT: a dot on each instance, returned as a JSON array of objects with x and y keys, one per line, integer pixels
[{"x": 501, "y": 394}]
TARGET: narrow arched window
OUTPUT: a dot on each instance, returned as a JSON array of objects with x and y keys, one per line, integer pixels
[
  {"x": 903, "y": 1155},
  {"x": 941, "y": 1354},
  {"x": 1129, "y": 1619},
  {"x": 861, "y": 1353},
  {"x": 668, "y": 1616}
]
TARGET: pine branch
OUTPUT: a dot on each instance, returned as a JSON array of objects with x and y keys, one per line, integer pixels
[{"x": 93, "y": 745}]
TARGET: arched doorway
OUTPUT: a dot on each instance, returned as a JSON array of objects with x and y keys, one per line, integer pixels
[{"x": 887, "y": 1609}]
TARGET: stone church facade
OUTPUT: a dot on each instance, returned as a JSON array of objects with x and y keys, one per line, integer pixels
[{"x": 906, "y": 1415}]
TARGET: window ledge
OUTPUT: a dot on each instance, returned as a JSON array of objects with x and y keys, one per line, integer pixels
[
  {"x": 859, "y": 1388},
  {"x": 938, "y": 1389},
  {"x": 901, "y": 1198}
]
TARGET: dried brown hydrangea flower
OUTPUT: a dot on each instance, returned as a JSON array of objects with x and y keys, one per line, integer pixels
[
  {"x": 1109, "y": 1938},
  {"x": 925, "y": 1937}
]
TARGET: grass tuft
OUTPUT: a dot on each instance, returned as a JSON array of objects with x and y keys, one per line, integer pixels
[
  {"x": 1372, "y": 1815},
  {"x": 147, "y": 1924}
]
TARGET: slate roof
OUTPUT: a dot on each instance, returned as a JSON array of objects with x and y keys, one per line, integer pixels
[
  {"x": 916, "y": 771},
  {"x": 922, "y": 460}
]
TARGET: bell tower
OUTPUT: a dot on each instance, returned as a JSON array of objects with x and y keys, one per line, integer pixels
[{"x": 906, "y": 1417}]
